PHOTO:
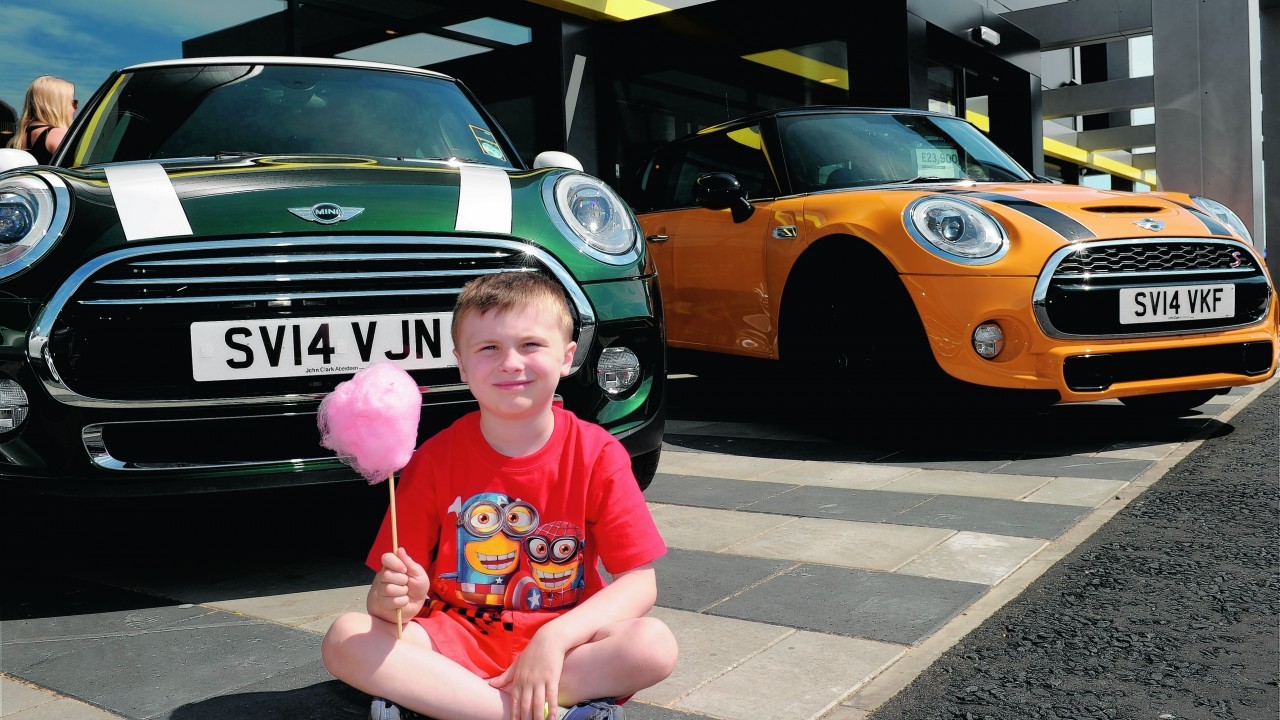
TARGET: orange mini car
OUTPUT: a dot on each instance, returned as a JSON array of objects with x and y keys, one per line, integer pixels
[{"x": 868, "y": 246}]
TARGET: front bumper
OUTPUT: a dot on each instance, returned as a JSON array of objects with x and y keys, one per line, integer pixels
[
  {"x": 117, "y": 450},
  {"x": 1080, "y": 369}
]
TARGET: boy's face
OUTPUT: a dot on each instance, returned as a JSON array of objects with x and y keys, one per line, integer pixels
[{"x": 513, "y": 360}]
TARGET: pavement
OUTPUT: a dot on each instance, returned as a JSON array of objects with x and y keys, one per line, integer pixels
[{"x": 815, "y": 569}]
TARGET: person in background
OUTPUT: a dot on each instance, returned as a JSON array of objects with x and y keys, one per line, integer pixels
[{"x": 46, "y": 114}]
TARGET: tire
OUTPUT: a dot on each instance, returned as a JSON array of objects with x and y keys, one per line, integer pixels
[
  {"x": 645, "y": 467},
  {"x": 832, "y": 347},
  {"x": 1174, "y": 403}
]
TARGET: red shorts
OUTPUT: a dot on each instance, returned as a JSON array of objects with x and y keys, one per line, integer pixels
[{"x": 486, "y": 642}]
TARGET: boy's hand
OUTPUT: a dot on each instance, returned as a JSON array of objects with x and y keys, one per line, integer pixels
[
  {"x": 534, "y": 679},
  {"x": 400, "y": 584}
]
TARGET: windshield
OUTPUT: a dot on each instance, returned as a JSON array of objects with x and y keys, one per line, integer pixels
[
  {"x": 852, "y": 150},
  {"x": 211, "y": 110}
]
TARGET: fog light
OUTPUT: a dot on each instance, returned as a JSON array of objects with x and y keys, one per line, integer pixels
[
  {"x": 13, "y": 405},
  {"x": 988, "y": 340},
  {"x": 617, "y": 370}
]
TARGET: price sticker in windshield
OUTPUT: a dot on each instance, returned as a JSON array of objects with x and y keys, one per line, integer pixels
[{"x": 935, "y": 162}]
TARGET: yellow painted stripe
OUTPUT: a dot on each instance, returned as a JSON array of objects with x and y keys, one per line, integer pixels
[
  {"x": 607, "y": 9},
  {"x": 95, "y": 122},
  {"x": 798, "y": 64},
  {"x": 1080, "y": 156}
]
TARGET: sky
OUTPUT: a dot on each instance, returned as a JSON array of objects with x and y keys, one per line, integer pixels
[{"x": 83, "y": 41}]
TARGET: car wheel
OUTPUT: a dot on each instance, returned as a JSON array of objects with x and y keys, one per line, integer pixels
[
  {"x": 857, "y": 341},
  {"x": 645, "y": 466},
  {"x": 1174, "y": 403}
]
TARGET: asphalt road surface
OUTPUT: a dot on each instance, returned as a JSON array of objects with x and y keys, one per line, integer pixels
[{"x": 1169, "y": 612}]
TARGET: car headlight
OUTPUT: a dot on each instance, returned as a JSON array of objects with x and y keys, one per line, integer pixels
[
  {"x": 1224, "y": 215},
  {"x": 956, "y": 230},
  {"x": 597, "y": 218},
  {"x": 32, "y": 213}
]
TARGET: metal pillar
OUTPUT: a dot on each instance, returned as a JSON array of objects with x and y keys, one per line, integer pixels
[{"x": 1208, "y": 103}]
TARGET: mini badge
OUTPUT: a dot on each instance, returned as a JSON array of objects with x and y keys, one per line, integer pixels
[
  {"x": 1149, "y": 224},
  {"x": 326, "y": 213}
]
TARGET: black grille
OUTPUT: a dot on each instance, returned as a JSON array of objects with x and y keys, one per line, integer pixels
[
  {"x": 1079, "y": 291},
  {"x": 125, "y": 332},
  {"x": 1153, "y": 257}
]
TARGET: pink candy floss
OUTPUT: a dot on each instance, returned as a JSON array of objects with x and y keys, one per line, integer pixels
[{"x": 371, "y": 420}]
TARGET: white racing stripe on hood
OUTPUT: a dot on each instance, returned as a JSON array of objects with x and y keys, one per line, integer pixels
[
  {"x": 484, "y": 200},
  {"x": 146, "y": 201}
]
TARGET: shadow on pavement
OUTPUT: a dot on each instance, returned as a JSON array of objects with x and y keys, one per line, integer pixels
[{"x": 322, "y": 701}]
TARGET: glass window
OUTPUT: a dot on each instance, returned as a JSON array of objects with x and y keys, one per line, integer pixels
[
  {"x": 842, "y": 150},
  {"x": 193, "y": 111},
  {"x": 670, "y": 179},
  {"x": 942, "y": 89}
]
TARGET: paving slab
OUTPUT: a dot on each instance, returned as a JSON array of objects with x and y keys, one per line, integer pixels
[
  {"x": 852, "y": 476},
  {"x": 143, "y": 661},
  {"x": 705, "y": 464},
  {"x": 1001, "y": 517},
  {"x": 969, "y": 484},
  {"x": 302, "y": 609},
  {"x": 796, "y": 679},
  {"x": 694, "y": 580},
  {"x": 874, "y": 546},
  {"x": 838, "y": 504},
  {"x": 305, "y": 692},
  {"x": 1083, "y": 466},
  {"x": 888, "y": 607},
  {"x": 710, "y": 646},
  {"x": 771, "y": 449},
  {"x": 1084, "y": 492},
  {"x": 695, "y": 528},
  {"x": 974, "y": 557},
  {"x": 712, "y": 492},
  {"x": 966, "y": 461}
]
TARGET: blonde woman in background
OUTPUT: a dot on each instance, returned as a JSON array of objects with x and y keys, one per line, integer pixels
[{"x": 46, "y": 114}]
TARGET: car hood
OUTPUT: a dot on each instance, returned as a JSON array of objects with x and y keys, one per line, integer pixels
[
  {"x": 1039, "y": 218},
  {"x": 283, "y": 196},
  {"x": 1077, "y": 213},
  {"x": 270, "y": 195}
]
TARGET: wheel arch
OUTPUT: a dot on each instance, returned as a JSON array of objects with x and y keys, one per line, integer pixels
[{"x": 844, "y": 261}]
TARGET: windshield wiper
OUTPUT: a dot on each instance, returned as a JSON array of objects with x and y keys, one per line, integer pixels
[
  {"x": 224, "y": 154},
  {"x": 919, "y": 179}
]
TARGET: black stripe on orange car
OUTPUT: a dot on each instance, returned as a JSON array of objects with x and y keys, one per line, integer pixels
[
  {"x": 1213, "y": 226},
  {"x": 1060, "y": 223}
]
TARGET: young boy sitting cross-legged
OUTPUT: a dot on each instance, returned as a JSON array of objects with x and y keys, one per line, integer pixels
[{"x": 503, "y": 520}]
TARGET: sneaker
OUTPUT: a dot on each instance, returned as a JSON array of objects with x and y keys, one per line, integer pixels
[
  {"x": 381, "y": 709},
  {"x": 602, "y": 709}
]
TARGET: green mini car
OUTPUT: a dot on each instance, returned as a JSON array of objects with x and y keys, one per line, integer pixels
[{"x": 219, "y": 242}]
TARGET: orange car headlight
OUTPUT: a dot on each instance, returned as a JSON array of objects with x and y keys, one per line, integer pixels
[
  {"x": 1224, "y": 215},
  {"x": 956, "y": 230}
]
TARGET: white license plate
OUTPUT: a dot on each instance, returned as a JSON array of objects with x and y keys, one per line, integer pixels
[
  {"x": 1176, "y": 302},
  {"x": 238, "y": 349}
]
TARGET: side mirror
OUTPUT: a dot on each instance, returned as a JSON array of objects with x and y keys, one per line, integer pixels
[
  {"x": 555, "y": 158},
  {"x": 11, "y": 158},
  {"x": 718, "y": 191}
]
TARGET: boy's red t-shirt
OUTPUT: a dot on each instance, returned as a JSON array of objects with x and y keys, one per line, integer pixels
[{"x": 524, "y": 534}]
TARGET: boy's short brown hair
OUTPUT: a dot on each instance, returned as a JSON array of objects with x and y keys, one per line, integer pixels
[{"x": 509, "y": 290}]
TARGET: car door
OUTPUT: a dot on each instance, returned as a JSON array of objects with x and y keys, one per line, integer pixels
[{"x": 711, "y": 267}]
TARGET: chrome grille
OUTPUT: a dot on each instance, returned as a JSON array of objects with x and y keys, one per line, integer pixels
[
  {"x": 1153, "y": 257},
  {"x": 306, "y": 272},
  {"x": 117, "y": 333},
  {"x": 1078, "y": 293}
]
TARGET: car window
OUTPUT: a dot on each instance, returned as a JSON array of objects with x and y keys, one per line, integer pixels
[
  {"x": 851, "y": 150},
  {"x": 670, "y": 179},
  {"x": 179, "y": 112}
]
